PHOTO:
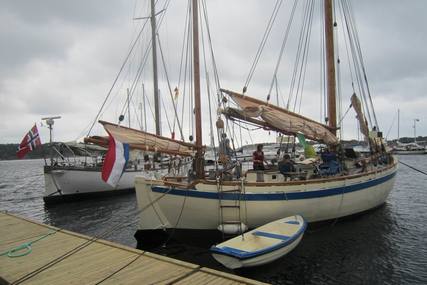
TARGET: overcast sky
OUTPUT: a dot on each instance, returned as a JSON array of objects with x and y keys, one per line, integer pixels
[{"x": 61, "y": 58}]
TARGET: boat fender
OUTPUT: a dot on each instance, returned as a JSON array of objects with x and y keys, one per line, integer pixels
[{"x": 232, "y": 229}]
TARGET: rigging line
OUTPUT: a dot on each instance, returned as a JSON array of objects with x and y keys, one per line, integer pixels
[
  {"x": 166, "y": 113},
  {"x": 86, "y": 243},
  {"x": 186, "y": 42},
  {"x": 211, "y": 121},
  {"x": 358, "y": 62},
  {"x": 219, "y": 94},
  {"x": 215, "y": 75},
  {"x": 176, "y": 118},
  {"x": 391, "y": 126},
  {"x": 279, "y": 92},
  {"x": 117, "y": 76},
  {"x": 282, "y": 48},
  {"x": 208, "y": 91},
  {"x": 355, "y": 61},
  {"x": 240, "y": 122},
  {"x": 121, "y": 268},
  {"x": 250, "y": 137},
  {"x": 303, "y": 71},
  {"x": 347, "y": 50},
  {"x": 178, "y": 219},
  {"x": 342, "y": 118},
  {"x": 420, "y": 171},
  {"x": 359, "y": 49},
  {"x": 263, "y": 41},
  {"x": 132, "y": 88},
  {"x": 136, "y": 114},
  {"x": 145, "y": 57},
  {"x": 214, "y": 65},
  {"x": 297, "y": 57}
]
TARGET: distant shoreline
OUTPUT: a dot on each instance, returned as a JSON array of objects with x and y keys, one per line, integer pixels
[{"x": 8, "y": 151}]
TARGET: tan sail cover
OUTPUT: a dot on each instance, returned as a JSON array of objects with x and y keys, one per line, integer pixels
[
  {"x": 148, "y": 142},
  {"x": 282, "y": 120},
  {"x": 355, "y": 102}
]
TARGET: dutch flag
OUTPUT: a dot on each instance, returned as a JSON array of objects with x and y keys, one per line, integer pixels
[{"x": 115, "y": 161}]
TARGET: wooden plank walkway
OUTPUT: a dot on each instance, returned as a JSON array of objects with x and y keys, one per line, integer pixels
[{"x": 99, "y": 262}]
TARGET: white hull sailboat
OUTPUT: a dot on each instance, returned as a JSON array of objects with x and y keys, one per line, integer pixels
[
  {"x": 74, "y": 183},
  {"x": 409, "y": 148},
  {"x": 73, "y": 179},
  {"x": 352, "y": 184}
]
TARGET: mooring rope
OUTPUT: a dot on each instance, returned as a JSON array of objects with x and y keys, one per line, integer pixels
[
  {"x": 84, "y": 244},
  {"x": 25, "y": 248},
  {"x": 420, "y": 171}
]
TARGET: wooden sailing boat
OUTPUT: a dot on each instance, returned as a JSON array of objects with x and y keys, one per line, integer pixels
[
  {"x": 209, "y": 203},
  {"x": 69, "y": 181}
]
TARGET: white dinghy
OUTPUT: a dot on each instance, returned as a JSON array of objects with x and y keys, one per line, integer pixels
[{"x": 261, "y": 245}]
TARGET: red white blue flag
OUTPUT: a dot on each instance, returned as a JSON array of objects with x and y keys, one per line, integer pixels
[
  {"x": 29, "y": 143},
  {"x": 115, "y": 161}
]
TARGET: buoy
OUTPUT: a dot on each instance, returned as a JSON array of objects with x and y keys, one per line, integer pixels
[{"x": 232, "y": 229}]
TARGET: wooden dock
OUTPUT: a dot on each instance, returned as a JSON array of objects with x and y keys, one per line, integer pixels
[{"x": 64, "y": 257}]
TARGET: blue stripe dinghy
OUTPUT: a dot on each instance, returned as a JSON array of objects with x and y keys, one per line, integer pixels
[{"x": 261, "y": 245}]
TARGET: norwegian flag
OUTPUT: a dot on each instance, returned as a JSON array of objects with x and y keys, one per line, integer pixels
[{"x": 30, "y": 142}]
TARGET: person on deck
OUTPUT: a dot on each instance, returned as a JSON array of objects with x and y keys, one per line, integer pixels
[
  {"x": 258, "y": 158},
  {"x": 286, "y": 165}
]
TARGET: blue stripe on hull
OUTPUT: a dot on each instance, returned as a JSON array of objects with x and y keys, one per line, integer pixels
[{"x": 274, "y": 196}]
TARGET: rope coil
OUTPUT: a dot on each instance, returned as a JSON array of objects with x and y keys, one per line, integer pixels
[{"x": 25, "y": 248}]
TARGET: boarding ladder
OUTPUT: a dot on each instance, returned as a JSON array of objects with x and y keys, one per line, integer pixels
[{"x": 229, "y": 203}]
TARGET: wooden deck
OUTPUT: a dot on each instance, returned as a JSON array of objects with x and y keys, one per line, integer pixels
[{"x": 55, "y": 260}]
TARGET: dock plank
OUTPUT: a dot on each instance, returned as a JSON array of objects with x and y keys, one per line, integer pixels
[{"x": 98, "y": 261}]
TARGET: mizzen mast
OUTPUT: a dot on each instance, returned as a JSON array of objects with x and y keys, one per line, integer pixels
[{"x": 330, "y": 66}]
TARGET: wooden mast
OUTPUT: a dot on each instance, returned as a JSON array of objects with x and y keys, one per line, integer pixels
[
  {"x": 330, "y": 65},
  {"x": 155, "y": 79},
  {"x": 199, "y": 167}
]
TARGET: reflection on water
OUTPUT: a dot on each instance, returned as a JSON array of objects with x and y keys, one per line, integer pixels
[{"x": 386, "y": 245}]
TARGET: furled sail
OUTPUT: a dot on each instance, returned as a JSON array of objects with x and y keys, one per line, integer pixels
[
  {"x": 144, "y": 141},
  {"x": 355, "y": 102},
  {"x": 278, "y": 119}
]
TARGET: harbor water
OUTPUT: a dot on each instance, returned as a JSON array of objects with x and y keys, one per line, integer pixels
[{"x": 385, "y": 246}]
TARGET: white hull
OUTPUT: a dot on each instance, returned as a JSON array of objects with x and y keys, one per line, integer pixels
[
  {"x": 62, "y": 183},
  {"x": 261, "y": 245},
  {"x": 315, "y": 200},
  {"x": 234, "y": 263}
]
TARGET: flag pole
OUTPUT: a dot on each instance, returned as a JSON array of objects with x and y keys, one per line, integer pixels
[{"x": 50, "y": 121}]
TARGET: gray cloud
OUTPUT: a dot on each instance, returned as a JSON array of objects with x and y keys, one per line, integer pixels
[{"x": 61, "y": 58}]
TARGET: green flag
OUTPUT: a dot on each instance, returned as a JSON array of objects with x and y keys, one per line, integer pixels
[{"x": 309, "y": 151}]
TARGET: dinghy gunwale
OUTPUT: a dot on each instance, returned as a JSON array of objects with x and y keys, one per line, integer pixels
[{"x": 244, "y": 255}]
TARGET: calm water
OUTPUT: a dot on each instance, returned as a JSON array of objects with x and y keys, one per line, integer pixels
[{"x": 385, "y": 246}]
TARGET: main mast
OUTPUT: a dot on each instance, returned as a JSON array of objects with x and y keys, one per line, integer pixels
[
  {"x": 199, "y": 167},
  {"x": 330, "y": 66},
  {"x": 155, "y": 79}
]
